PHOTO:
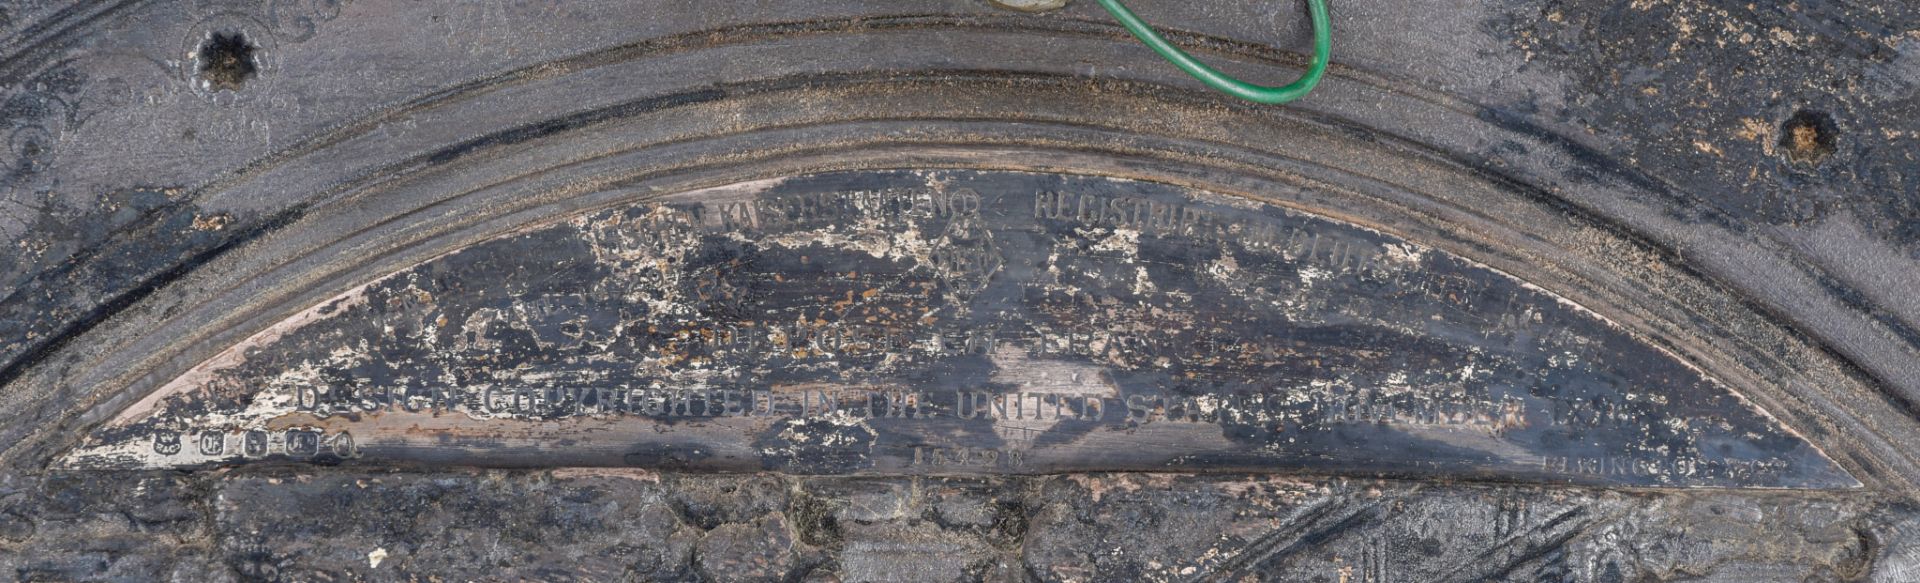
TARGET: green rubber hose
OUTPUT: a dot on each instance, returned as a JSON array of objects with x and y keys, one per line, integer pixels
[{"x": 1322, "y": 46}]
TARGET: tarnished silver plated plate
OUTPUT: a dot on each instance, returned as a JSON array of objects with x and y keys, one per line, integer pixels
[{"x": 935, "y": 322}]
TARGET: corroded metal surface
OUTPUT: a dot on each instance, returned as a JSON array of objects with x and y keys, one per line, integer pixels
[
  {"x": 963, "y": 322},
  {"x": 1598, "y": 292},
  {"x": 614, "y": 525}
]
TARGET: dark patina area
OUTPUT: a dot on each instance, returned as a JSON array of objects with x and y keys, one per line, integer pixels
[
  {"x": 968, "y": 322},
  {"x": 1763, "y": 153}
]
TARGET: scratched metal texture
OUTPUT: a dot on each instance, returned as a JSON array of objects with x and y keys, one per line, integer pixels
[
  {"x": 957, "y": 321},
  {"x": 1734, "y": 184}
]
